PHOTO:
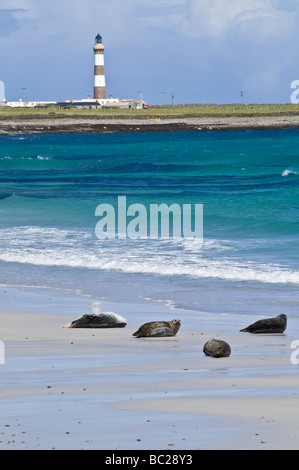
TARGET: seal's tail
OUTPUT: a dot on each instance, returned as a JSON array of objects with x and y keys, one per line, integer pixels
[{"x": 245, "y": 330}]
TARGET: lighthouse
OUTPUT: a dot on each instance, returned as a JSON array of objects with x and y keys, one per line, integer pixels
[{"x": 99, "y": 73}]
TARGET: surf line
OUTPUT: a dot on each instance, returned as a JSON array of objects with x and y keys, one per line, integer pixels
[{"x": 160, "y": 221}]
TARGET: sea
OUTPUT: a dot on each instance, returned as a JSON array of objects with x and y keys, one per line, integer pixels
[{"x": 247, "y": 182}]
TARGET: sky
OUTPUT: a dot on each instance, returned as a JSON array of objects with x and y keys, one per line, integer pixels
[{"x": 180, "y": 51}]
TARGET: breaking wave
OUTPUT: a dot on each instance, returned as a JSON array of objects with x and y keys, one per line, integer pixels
[
  {"x": 288, "y": 172},
  {"x": 78, "y": 249}
]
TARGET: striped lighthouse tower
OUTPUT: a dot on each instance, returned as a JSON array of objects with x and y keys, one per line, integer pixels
[{"x": 99, "y": 73}]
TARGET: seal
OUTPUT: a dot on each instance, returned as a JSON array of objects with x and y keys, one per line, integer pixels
[
  {"x": 158, "y": 328},
  {"x": 217, "y": 348},
  {"x": 99, "y": 320},
  {"x": 268, "y": 326}
]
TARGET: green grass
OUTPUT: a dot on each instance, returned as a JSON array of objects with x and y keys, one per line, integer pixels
[{"x": 157, "y": 112}]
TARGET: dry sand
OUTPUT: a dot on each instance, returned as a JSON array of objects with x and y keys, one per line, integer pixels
[{"x": 104, "y": 389}]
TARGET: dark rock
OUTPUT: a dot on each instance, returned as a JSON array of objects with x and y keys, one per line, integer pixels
[{"x": 217, "y": 348}]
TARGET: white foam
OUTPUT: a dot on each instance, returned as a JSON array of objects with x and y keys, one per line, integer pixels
[
  {"x": 54, "y": 247},
  {"x": 288, "y": 172}
]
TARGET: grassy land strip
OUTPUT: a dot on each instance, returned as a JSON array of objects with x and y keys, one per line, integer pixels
[{"x": 156, "y": 112}]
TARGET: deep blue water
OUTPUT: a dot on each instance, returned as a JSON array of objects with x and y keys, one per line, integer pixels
[{"x": 247, "y": 181}]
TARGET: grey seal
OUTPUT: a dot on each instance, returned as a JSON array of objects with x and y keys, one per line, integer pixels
[
  {"x": 268, "y": 325},
  {"x": 217, "y": 348},
  {"x": 98, "y": 320},
  {"x": 158, "y": 328}
]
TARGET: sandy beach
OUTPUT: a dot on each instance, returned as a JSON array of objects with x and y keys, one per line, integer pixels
[
  {"x": 64, "y": 125},
  {"x": 104, "y": 389}
]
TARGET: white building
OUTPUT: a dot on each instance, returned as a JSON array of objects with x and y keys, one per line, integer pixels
[
  {"x": 86, "y": 103},
  {"x": 29, "y": 104}
]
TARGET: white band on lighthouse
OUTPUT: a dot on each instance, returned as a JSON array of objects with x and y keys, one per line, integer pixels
[
  {"x": 99, "y": 81},
  {"x": 99, "y": 59}
]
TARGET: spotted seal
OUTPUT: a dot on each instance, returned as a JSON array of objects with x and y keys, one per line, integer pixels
[
  {"x": 158, "y": 328},
  {"x": 268, "y": 325},
  {"x": 217, "y": 348},
  {"x": 99, "y": 320}
]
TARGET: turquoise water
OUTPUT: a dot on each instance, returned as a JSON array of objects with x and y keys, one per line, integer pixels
[{"x": 247, "y": 181}]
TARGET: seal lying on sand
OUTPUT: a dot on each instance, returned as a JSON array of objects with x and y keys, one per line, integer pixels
[
  {"x": 217, "y": 348},
  {"x": 158, "y": 328},
  {"x": 269, "y": 325},
  {"x": 99, "y": 320}
]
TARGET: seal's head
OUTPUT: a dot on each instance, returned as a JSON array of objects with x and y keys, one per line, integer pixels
[
  {"x": 175, "y": 325},
  {"x": 282, "y": 317}
]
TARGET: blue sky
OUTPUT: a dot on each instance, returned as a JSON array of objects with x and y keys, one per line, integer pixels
[{"x": 202, "y": 51}]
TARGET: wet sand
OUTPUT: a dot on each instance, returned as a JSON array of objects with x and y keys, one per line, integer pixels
[
  {"x": 64, "y": 125},
  {"x": 104, "y": 389}
]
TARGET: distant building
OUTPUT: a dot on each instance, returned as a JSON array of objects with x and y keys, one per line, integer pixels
[
  {"x": 30, "y": 104},
  {"x": 87, "y": 103},
  {"x": 126, "y": 104},
  {"x": 98, "y": 104},
  {"x": 111, "y": 103}
]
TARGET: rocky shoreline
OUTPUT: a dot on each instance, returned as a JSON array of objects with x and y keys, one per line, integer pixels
[{"x": 62, "y": 125}]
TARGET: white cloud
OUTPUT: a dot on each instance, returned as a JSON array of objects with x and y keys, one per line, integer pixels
[
  {"x": 190, "y": 18},
  {"x": 216, "y": 18}
]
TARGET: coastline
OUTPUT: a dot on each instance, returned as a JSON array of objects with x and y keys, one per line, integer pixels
[
  {"x": 104, "y": 389},
  {"x": 64, "y": 125}
]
